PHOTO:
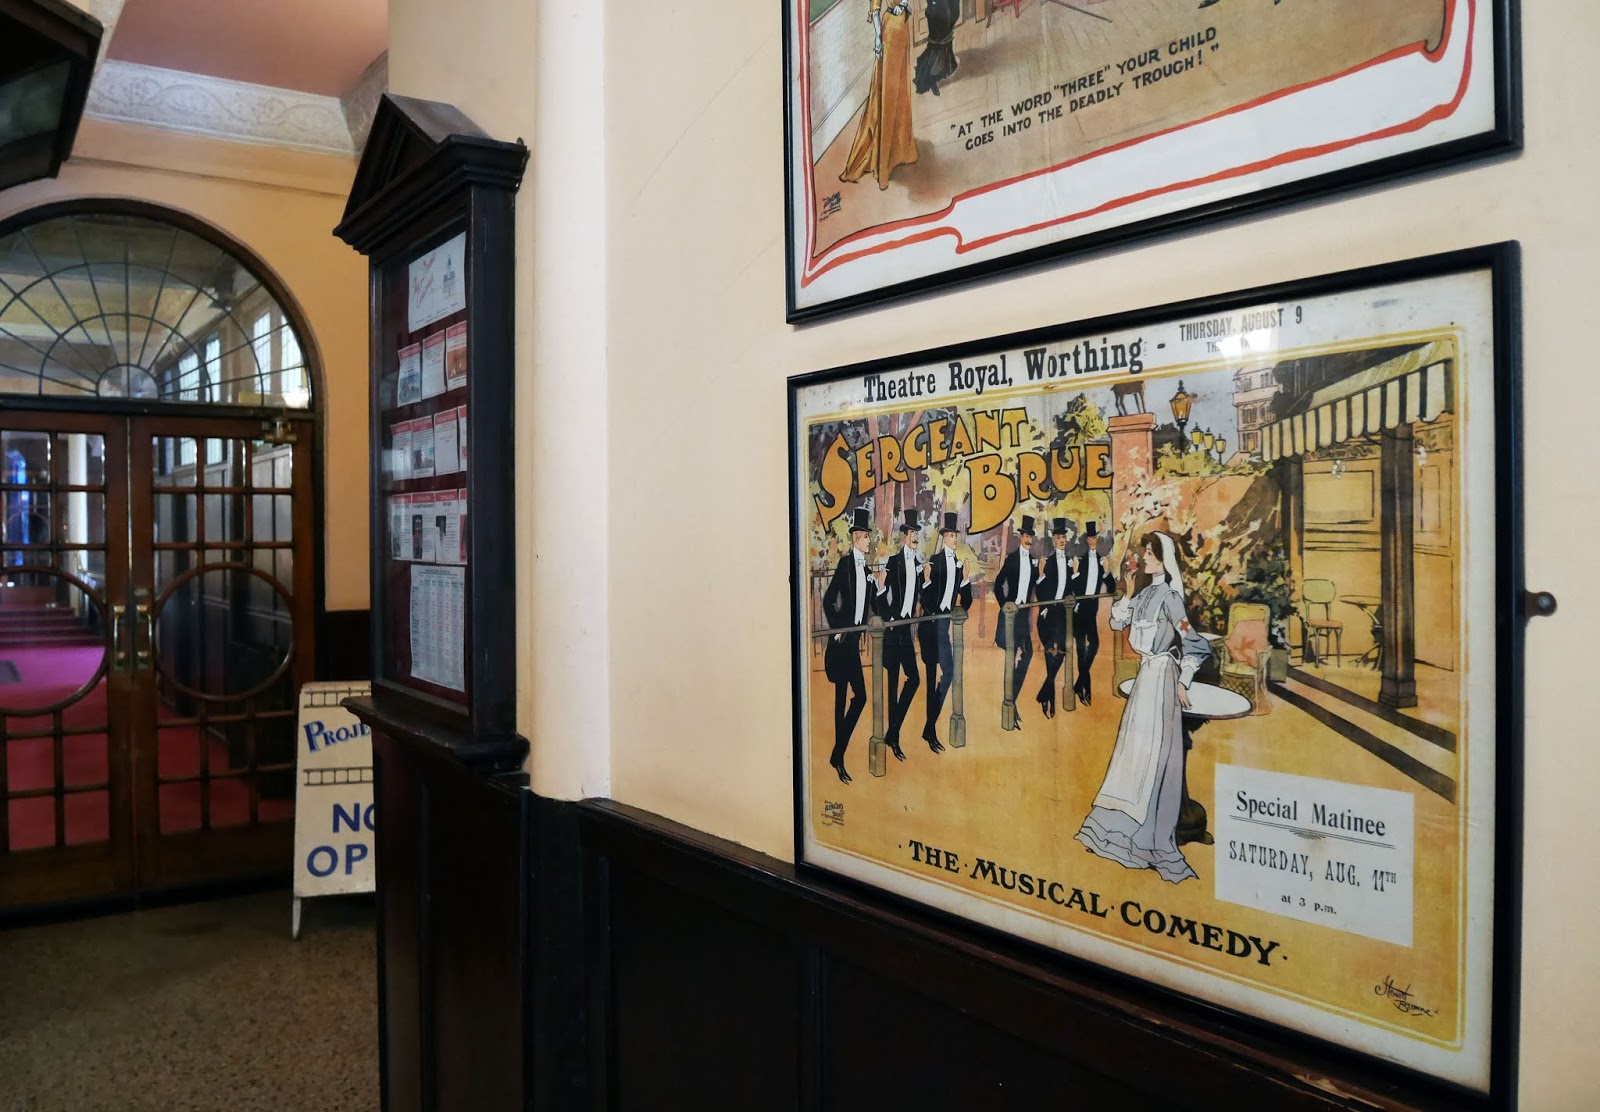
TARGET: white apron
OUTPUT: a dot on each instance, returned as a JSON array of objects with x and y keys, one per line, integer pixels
[{"x": 1130, "y": 780}]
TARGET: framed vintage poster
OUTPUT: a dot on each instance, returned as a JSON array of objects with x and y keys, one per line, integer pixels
[
  {"x": 929, "y": 141},
  {"x": 1188, "y": 643}
]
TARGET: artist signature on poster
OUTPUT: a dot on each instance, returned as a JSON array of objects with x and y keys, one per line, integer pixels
[{"x": 1402, "y": 998}]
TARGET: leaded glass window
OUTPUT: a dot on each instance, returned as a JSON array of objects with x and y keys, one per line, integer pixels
[{"x": 119, "y": 305}]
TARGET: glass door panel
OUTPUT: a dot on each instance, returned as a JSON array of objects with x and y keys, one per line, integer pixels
[
  {"x": 155, "y": 623},
  {"x": 228, "y": 635},
  {"x": 64, "y": 775}
]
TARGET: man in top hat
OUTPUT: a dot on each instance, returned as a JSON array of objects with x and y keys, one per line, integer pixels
[
  {"x": 1092, "y": 579},
  {"x": 1015, "y": 584},
  {"x": 944, "y": 586},
  {"x": 897, "y": 603},
  {"x": 851, "y": 593},
  {"x": 1056, "y": 572}
]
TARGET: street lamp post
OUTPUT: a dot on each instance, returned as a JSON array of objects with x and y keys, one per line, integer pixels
[{"x": 1182, "y": 402}]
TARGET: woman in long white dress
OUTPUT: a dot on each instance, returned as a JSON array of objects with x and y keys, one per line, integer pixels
[{"x": 1135, "y": 816}]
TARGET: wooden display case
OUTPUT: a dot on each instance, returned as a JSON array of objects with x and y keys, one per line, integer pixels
[{"x": 432, "y": 208}]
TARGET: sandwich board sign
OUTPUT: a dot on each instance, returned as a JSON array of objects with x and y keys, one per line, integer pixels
[{"x": 333, "y": 821}]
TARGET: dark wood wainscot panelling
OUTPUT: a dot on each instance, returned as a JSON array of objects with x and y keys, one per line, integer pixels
[
  {"x": 452, "y": 883},
  {"x": 719, "y": 978},
  {"x": 535, "y": 954}
]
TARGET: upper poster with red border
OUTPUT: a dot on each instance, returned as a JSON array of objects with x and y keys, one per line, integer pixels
[{"x": 933, "y": 140}]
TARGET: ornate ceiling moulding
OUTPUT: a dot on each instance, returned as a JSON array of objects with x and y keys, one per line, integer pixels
[{"x": 235, "y": 110}]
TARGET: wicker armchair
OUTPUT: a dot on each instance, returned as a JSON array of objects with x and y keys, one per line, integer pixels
[{"x": 1242, "y": 653}]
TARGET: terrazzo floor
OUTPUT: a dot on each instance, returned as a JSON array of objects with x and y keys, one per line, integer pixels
[{"x": 201, "y": 1007}]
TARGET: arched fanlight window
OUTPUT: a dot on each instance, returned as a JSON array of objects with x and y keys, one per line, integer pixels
[{"x": 114, "y": 304}]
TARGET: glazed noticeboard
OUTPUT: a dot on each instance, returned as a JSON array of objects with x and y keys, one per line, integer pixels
[
  {"x": 432, "y": 208},
  {"x": 1188, "y": 643},
  {"x": 424, "y": 478},
  {"x": 929, "y": 141}
]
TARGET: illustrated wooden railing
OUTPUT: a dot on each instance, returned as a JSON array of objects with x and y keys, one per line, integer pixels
[
  {"x": 874, "y": 628},
  {"x": 878, "y": 693},
  {"x": 1008, "y": 615}
]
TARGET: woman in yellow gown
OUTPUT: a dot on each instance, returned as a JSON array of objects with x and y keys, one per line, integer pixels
[{"x": 884, "y": 140}]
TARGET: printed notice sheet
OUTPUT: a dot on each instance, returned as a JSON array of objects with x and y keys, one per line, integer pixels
[
  {"x": 437, "y": 616},
  {"x": 443, "y": 513},
  {"x": 446, "y": 453},
  {"x": 400, "y": 451},
  {"x": 399, "y": 535},
  {"x": 421, "y": 537},
  {"x": 433, "y": 365},
  {"x": 421, "y": 441},
  {"x": 1322, "y": 851},
  {"x": 437, "y": 284},
  {"x": 409, "y": 387},
  {"x": 428, "y": 527},
  {"x": 455, "y": 356}
]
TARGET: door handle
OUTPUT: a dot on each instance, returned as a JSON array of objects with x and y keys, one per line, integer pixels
[
  {"x": 119, "y": 651},
  {"x": 142, "y": 655}
]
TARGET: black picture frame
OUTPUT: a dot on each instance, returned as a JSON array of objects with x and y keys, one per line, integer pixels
[
  {"x": 1514, "y": 605},
  {"x": 1504, "y": 138}
]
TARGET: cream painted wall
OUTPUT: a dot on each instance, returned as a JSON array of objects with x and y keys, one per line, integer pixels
[
  {"x": 698, "y": 354},
  {"x": 283, "y": 206},
  {"x": 682, "y": 482},
  {"x": 517, "y": 76}
]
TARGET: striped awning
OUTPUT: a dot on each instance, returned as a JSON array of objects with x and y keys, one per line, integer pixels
[{"x": 1417, "y": 386}]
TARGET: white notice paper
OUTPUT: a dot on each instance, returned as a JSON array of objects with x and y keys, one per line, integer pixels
[
  {"x": 419, "y": 510},
  {"x": 1322, "y": 851},
  {"x": 446, "y": 455},
  {"x": 455, "y": 355},
  {"x": 437, "y": 616},
  {"x": 437, "y": 283},
  {"x": 409, "y": 387},
  {"x": 421, "y": 449},
  {"x": 400, "y": 450},
  {"x": 399, "y": 537},
  {"x": 445, "y": 516},
  {"x": 433, "y": 365}
]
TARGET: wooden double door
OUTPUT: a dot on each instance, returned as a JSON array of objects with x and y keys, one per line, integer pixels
[{"x": 156, "y": 621}]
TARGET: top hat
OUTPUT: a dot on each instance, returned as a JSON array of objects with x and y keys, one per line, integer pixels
[
  {"x": 1089, "y": 529},
  {"x": 1060, "y": 526},
  {"x": 909, "y": 525},
  {"x": 860, "y": 520},
  {"x": 949, "y": 523},
  {"x": 1027, "y": 525}
]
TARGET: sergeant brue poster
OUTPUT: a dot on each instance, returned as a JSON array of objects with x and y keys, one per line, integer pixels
[{"x": 1173, "y": 646}]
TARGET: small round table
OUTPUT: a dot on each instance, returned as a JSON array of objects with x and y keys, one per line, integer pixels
[
  {"x": 1372, "y": 607},
  {"x": 1207, "y": 703}
]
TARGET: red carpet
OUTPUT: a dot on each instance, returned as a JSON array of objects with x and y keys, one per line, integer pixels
[{"x": 49, "y": 673}]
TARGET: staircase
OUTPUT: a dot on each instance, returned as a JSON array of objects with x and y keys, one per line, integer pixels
[{"x": 28, "y": 626}]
